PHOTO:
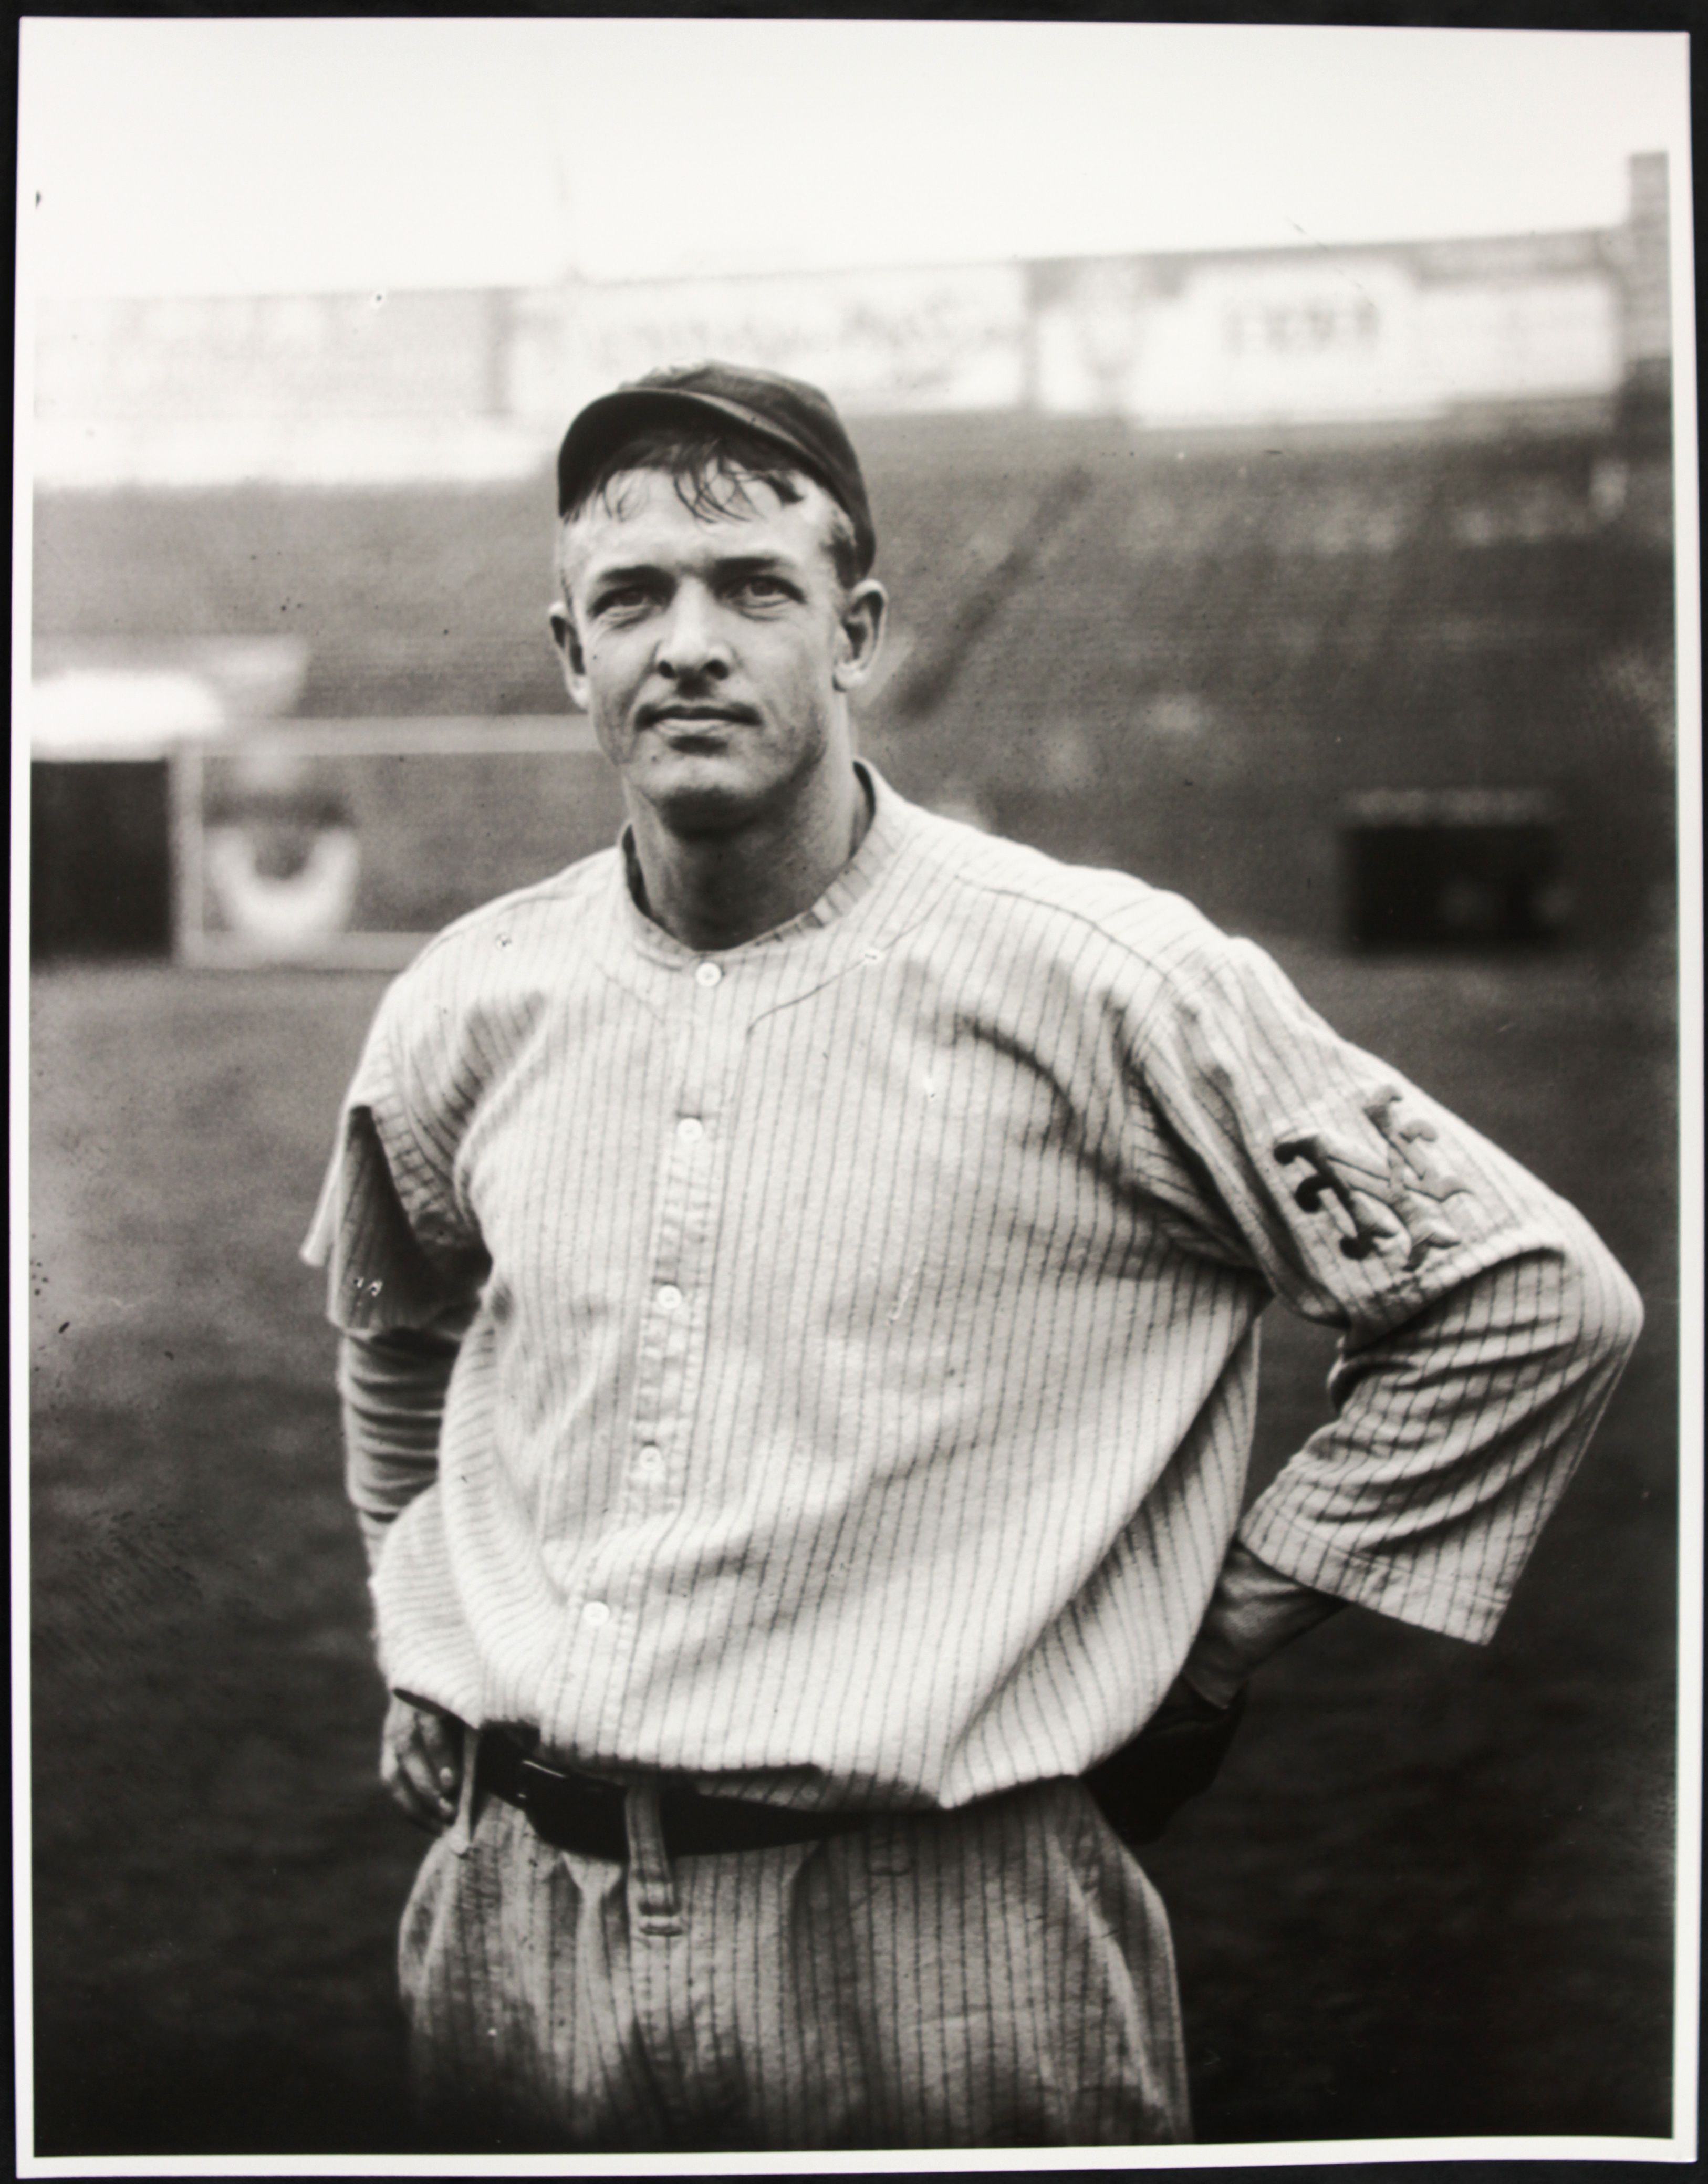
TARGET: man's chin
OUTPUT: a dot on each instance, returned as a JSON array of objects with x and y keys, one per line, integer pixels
[{"x": 702, "y": 793}]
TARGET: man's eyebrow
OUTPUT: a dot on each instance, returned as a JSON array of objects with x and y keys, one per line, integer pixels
[
  {"x": 746, "y": 565},
  {"x": 725, "y": 566},
  {"x": 622, "y": 572}
]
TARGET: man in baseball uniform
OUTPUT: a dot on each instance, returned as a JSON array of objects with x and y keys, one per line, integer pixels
[{"x": 799, "y": 1273}]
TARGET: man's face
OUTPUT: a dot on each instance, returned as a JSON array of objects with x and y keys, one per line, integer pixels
[{"x": 713, "y": 651}]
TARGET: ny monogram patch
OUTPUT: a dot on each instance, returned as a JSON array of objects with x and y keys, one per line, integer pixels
[{"x": 1393, "y": 1207}]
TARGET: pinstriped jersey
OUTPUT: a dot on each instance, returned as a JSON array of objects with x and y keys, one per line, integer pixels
[{"x": 860, "y": 1379}]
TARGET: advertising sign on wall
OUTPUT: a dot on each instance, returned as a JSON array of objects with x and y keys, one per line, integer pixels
[
  {"x": 1314, "y": 336},
  {"x": 912, "y": 338}
]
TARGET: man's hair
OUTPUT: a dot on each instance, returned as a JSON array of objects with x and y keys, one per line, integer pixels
[{"x": 711, "y": 469}]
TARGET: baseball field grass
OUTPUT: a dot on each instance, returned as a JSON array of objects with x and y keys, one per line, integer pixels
[{"x": 1431, "y": 1893}]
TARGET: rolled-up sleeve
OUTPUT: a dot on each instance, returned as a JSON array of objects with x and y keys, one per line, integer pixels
[
  {"x": 398, "y": 1250},
  {"x": 1484, "y": 1324},
  {"x": 403, "y": 1270}
]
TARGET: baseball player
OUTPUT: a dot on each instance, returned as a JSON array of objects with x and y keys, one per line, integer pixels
[{"x": 799, "y": 1274}]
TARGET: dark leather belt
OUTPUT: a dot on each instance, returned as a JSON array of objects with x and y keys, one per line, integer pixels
[
  {"x": 1138, "y": 1789},
  {"x": 575, "y": 1812}
]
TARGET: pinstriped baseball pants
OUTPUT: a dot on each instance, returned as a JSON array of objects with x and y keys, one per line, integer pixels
[{"x": 1001, "y": 1976}]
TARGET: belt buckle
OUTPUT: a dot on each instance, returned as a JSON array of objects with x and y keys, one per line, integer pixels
[
  {"x": 534, "y": 1777},
  {"x": 535, "y": 1781},
  {"x": 526, "y": 1769}
]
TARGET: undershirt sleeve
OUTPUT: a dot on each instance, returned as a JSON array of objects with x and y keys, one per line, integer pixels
[
  {"x": 1254, "y": 1613},
  {"x": 393, "y": 1385}
]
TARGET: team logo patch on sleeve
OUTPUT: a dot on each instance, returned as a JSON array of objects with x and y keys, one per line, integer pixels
[{"x": 1392, "y": 1194}]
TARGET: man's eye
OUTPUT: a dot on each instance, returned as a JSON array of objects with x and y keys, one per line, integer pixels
[
  {"x": 762, "y": 588},
  {"x": 623, "y": 599}
]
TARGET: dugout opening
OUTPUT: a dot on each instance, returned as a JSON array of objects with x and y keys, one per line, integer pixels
[
  {"x": 1453, "y": 868},
  {"x": 100, "y": 857}
]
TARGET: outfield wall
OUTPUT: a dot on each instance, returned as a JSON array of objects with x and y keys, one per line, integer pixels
[{"x": 1196, "y": 658}]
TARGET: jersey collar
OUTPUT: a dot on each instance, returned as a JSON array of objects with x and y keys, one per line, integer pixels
[{"x": 870, "y": 863}]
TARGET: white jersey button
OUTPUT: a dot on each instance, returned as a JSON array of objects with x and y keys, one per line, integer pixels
[
  {"x": 691, "y": 1129},
  {"x": 670, "y": 1298},
  {"x": 709, "y": 974},
  {"x": 651, "y": 1456},
  {"x": 596, "y": 1612}
]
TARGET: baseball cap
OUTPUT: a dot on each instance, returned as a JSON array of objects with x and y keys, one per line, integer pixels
[{"x": 795, "y": 417}]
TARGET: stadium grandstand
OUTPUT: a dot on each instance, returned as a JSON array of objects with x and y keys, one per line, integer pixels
[{"x": 1333, "y": 588}]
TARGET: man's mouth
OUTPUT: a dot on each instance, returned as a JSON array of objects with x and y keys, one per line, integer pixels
[{"x": 687, "y": 714}]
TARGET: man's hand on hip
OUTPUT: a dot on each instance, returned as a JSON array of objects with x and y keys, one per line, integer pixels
[
  {"x": 1174, "y": 1757},
  {"x": 1255, "y": 1612},
  {"x": 421, "y": 1760}
]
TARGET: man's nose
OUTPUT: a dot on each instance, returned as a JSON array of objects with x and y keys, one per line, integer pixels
[{"x": 692, "y": 640}]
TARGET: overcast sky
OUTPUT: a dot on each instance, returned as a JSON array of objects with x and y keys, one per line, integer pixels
[{"x": 197, "y": 157}]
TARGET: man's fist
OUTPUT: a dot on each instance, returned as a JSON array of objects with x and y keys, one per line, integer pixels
[
  {"x": 1174, "y": 1757},
  {"x": 421, "y": 1760}
]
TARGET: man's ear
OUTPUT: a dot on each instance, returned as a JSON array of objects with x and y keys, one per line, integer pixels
[
  {"x": 568, "y": 642},
  {"x": 862, "y": 624}
]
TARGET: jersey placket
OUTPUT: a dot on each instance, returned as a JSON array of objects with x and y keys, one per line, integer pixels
[
  {"x": 684, "y": 1245},
  {"x": 677, "y": 1308}
]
